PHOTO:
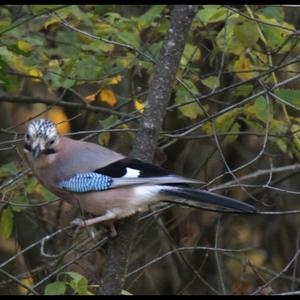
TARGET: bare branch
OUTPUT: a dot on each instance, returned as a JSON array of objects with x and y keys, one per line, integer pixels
[{"x": 89, "y": 107}]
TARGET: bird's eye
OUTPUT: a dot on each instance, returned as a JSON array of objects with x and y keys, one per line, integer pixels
[
  {"x": 51, "y": 142},
  {"x": 27, "y": 136}
]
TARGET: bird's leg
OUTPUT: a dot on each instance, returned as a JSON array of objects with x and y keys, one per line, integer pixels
[
  {"x": 83, "y": 223},
  {"x": 107, "y": 219}
]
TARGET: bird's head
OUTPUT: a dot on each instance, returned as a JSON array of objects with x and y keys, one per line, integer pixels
[{"x": 41, "y": 138}]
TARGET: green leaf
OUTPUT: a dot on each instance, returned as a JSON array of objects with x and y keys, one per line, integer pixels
[
  {"x": 72, "y": 53},
  {"x": 20, "y": 199},
  {"x": 225, "y": 123},
  {"x": 39, "y": 8},
  {"x": 191, "y": 110},
  {"x": 246, "y": 33},
  {"x": 6, "y": 223},
  {"x": 126, "y": 60},
  {"x": 190, "y": 53},
  {"x": 281, "y": 143},
  {"x": 67, "y": 83},
  {"x": 129, "y": 38},
  {"x": 253, "y": 124},
  {"x": 7, "y": 55},
  {"x": 55, "y": 288},
  {"x": 276, "y": 37},
  {"x": 104, "y": 138},
  {"x": 104, "y": 29},
  {"x": 54, "y": 79},
  {"x": 280, "y": 127},
  {"x": 212, "y": 82},
  {"x": 243, "y": 90},
  {"x": 154, "y": 49},
  {"x": 113, "y": 17},
  {"x": 63, "y": 13},
  {"x": 87, "y": 68},
  {"x": 212, "y": 14},
  {"x": 97, "y": 46},
  {"x": 261, "y": 109},
  {"x": 31, "y": 184},
  {"x": 226, "y": 39},
  {"x": 233, "y": 137},
  {"x": 46, "y": 194},
  {"x": 68, "y": 37},
  {"x": 74, "y": 275},
  {"x": 150, "y": 15},
  {"x": 289, "y": 96},
  {"x": 296, "y": 137},
  {"x": 5, "y": 23},
  {"x": 238, "y": 35},
  {"x": 8, "y": 169},
  {"x": 109, "y": 121},
  {"x": 80, "y": 286},
  {"x": 272, "y": 12},
  {"x": 79, "y": 283}
]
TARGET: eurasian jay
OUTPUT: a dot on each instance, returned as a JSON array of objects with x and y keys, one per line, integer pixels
[{"x": 106, "y": 183}]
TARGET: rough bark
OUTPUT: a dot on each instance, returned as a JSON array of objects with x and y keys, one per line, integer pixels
[{"x": 145, "y": 142}]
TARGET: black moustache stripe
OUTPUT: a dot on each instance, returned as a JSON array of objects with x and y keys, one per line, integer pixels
[
  {"x": 28, "y": 147},
  {"x": 49, "y": 151}
]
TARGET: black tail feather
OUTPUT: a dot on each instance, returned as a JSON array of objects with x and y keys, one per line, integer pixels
[{"x": 208, "y": 198}]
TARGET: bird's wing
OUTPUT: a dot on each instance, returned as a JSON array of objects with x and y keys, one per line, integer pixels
[
  {"x": 130, "y": 171},
  {"x": 121, "y": 173}
]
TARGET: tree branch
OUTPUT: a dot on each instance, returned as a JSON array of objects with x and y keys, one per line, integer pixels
[
  {"x": 144, "y": 145},
  {"x": 57, "y": 102}
]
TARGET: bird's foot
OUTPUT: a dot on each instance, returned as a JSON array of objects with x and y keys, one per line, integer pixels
[
  {"x": 112, "y": 231},
  {"x": 79, "y": 222}
]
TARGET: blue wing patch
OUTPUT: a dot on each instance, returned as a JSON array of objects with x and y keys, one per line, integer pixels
[{"x": 86, "y": 182}]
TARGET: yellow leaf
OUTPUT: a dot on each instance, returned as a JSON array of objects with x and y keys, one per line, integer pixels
[
  {"x": 53, "y": 63},
  {"x": 90, "y": 98},
  {"x": 18, "y": 64},
  {"x": 261, "y": 57},
  {"x": 28, "y": 282},
  {"x": 104, "y": 138},
  {"x": 50, "y": 22},
  {"x": 241, "y": 66},
  {"x": 257, "y": 258},
  {"x": 24, "y": 46},
  {"x": 108, "y": 97},
  {"x": 35, "y": 73},
  {"x": 57, "y": 115},
  {"x": 139, "y": 105},
  {"x": 115, "y": 80}
]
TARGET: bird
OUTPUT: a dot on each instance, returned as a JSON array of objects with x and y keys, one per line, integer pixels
[{"x": 105, "y": 183}]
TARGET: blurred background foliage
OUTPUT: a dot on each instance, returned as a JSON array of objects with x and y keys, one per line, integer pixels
[{"x": 88, "y": 68}]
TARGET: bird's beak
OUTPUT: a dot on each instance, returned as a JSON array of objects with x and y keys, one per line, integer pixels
[{"x": 36, "y": 151}]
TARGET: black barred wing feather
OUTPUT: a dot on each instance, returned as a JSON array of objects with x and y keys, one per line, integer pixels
[{"x": 86, "y": 182}]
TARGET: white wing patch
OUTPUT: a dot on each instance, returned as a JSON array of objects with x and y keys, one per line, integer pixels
[{"x": 132, "y": 173}]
